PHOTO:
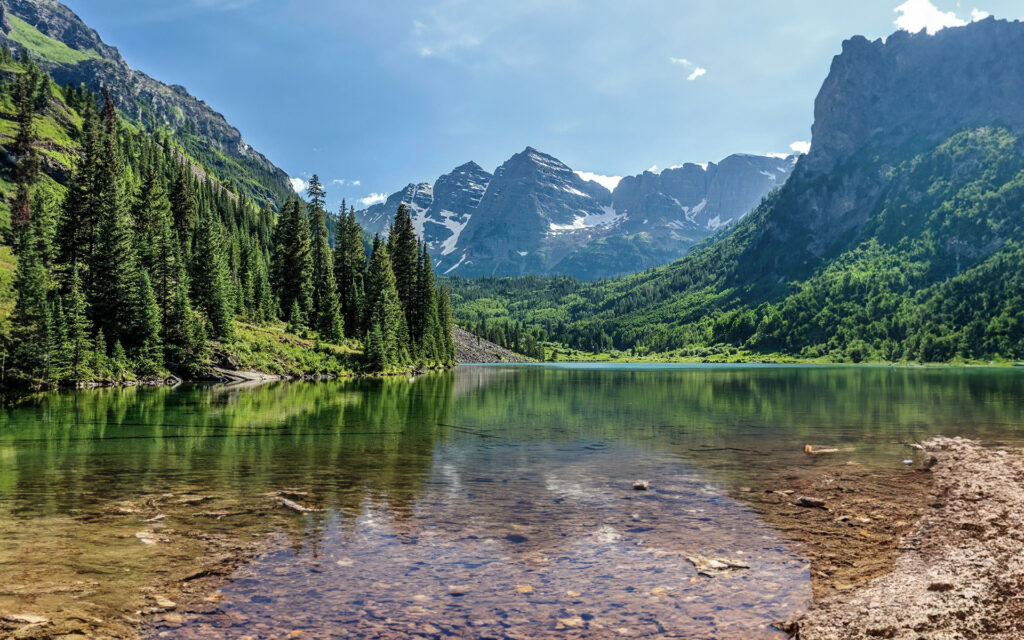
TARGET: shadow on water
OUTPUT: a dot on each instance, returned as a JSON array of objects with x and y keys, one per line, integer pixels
[{"x": 490, "y": 501}]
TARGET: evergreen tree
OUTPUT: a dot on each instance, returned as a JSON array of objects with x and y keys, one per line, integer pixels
[
  {"x": 31, "y": 318},
  {"x": 186, "y": 337},
  {"x": 386, "y": 313},
  {"x": 26, "y": 168},
  {"x": 444, "y": 314},
  {"x": 326, "y": 308},
  {"x": 211, "y": 281},
  {"x": 78, "y": 329},
  {"x": 114, "y": 262},
  {"x": 147, "y": 327},
  {"x": 184, "y": 207},
  {"x": 296, "y": 319},
  {"x": 78, "y": 228},
  {"x": 59, "y": 347},
  {"x": 403, "y": 248},
  {"x": 430, "y": 349},
  {"x": 291, "y": 266},
  {"x": 350, "y": 272},
  {"x": 101, "y": 362}
]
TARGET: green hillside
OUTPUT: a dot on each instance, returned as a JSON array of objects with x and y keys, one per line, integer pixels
[{"x": 123, "y": 258}]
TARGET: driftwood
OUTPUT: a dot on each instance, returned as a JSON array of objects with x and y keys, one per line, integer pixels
[
  {"x": 294, "y": 506},
  {"x": 811, "y": 451}
]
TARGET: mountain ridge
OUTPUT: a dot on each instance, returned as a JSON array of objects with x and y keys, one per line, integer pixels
[
  {"x": 537, "y": 215},
  {"x": 203, "y": 131}
]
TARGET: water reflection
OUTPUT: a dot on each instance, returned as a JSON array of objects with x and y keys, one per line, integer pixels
[{"x": 496, "y": 477}]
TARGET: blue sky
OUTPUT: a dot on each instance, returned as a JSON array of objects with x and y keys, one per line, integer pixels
[{"x": 373, "y": 94}]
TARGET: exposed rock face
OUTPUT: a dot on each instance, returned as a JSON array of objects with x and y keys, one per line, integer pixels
[
  {"x": 138, "y": 96},
  {"x": 882, "y": 103},
  {"x": 918, "y": 89},
  {"x": 692, "y": 200},
  {"x": 473, "y": 350},
  {"x": 536, "y": 215}
]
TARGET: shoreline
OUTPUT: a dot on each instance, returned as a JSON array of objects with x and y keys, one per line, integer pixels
[{"x": 956, "y": 571}]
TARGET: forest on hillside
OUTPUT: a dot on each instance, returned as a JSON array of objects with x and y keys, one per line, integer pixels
[{"x": 137, "y": 263}]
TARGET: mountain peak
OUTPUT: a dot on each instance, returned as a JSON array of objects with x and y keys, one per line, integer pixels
[{"x": 469, "y": 167}]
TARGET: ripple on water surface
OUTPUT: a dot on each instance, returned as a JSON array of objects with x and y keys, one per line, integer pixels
[{"x": 520, "y": 541}]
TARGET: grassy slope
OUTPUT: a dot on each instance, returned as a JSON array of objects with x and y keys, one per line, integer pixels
[
  {"x": 271, "y": 349},
  {"x": 45, "y": 47}
]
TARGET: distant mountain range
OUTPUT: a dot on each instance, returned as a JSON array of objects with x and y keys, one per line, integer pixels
[{"x": 536, "y": 215}]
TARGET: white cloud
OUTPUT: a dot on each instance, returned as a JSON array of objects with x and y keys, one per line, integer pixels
[
  {"x": 653, "y": 168},
  {"x": 695, "y": 71},
  {"x": 357, "y": 183},
  {"x": 608, "y": 182},
  {"x": 339, "y": 181},
  {"x": 373, "y": 198},
  {"x": 918, "y": 15},
  {"x": 801, "y": 147},
  {"x": 299, "y": 185},
  {"x": 978, "y": 14}
]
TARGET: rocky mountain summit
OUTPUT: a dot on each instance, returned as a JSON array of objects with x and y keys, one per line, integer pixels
[
  {"x": 883, "y": 102},
  {"x": 74, "y": 54},
  {"x": 536, "y": 215}
]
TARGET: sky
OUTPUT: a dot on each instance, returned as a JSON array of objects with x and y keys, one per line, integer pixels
[{"x": 374, "y": 94}]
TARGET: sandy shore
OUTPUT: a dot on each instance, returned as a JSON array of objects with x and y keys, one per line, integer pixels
[{"x": 958, "y": 571}]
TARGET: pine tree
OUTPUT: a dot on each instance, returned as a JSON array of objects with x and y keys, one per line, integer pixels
[
  {"x": 184, "y": 207},
  {"x": 78, "y": 229},
  {"x": 430, "y": 349},
  {"x": 118, "y": 363},
  {"x": 78, "y": 329},
  {"x": 26, "y": 169},
  {"x": 211, "y": 281},
  {"x": 385, "y": 309},
  {"x": 444, "y": 315},
  {"x": 59, "y": 348},
  {"x": 326, "y": 308},
  {"x": 147, "y": 327},
  {"x": 186, "y": 340},
  {"x": 296, "y": 319},
  {"x": 350, "y": 272},
  {"x": 403, "y": 247},
  {"x": 114, "y": 262},
  {"x": 31, "y": 318},
  {"x": 291, "y": 265},
  {"x": 101, "y": 362}
]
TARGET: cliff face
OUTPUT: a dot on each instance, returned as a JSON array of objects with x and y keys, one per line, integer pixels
[
  {"x": 918, "y": 90},
  {"x": 74, "y": 54},
  {"x": 882, "y": 103}
]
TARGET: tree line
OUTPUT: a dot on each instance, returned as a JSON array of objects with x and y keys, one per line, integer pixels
[{"x": 144, "y": 259}]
